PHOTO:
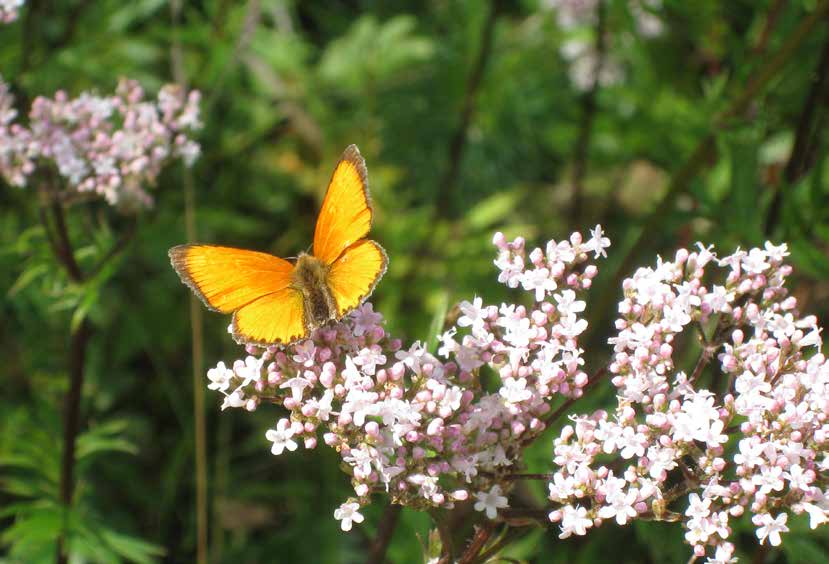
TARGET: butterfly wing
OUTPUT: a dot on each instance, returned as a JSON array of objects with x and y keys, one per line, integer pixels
[
  {"x": 275, "y": 318},
  {"x": 346, "y": 213},
  {"x": 226, "y": 278},
  {"x": 256, "y": 286},
  {"x": 354, "y": 275}
]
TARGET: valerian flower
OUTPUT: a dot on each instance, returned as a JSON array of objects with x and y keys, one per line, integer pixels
[
  {"x": 111, "y": 146},
  {"x": 770, "y": 388},
  {"x": 9, "y": 10},
  {"x": 416, "y": 425},
  {"x": 429, "y": 432},
  {"x": 490, "y": 502}
]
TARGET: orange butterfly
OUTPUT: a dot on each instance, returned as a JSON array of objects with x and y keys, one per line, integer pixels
[{"x": 275, "y": 301}]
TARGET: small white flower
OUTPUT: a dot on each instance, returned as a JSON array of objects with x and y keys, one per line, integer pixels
[
  {"x": 473, "y": 314},
  {"x": 776, "y": 252},
  {"x": 755, "y": 261},
  {"x": 412, "y": 357},
  {"x": 597, "y": 242},
  {"x": 219, "y": 377},
  {"x": 233, "y": 400},
  {"x": 297, "y": 385},
  {"x": 281, "y": 437},
  {"x": 323, "y": 405},
  {"x": 723, "y": 555},
  {"x": 515, "y": 390},
  {"x": 491, "y": 501},
  {"x": 698, "y": 508},
  {"x": 566, "y": 303},
  {"x": 348, "y": 513},
  {"x": 574, "y": 520},
  {"x": 369, "y": 358},
  {"x": 817, "y": 515},
  {"x": 771, "y": 528},
  {"x": 538, "y": 280}
]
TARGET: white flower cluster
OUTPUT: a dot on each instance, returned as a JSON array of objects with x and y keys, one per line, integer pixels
[{"x": 669, "y": 431}]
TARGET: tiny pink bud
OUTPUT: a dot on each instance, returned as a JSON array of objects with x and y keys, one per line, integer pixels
[{"x": 460, "y": 495}]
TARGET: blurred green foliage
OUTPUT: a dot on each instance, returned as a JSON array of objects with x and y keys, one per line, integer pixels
[{"x": 287, "y": 85}]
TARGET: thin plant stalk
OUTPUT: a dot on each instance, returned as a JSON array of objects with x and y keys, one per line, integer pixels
[{"x": 196, "y": 323}]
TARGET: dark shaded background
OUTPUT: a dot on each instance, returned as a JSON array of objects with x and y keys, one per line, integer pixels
[{"x": 470, "y": 122}]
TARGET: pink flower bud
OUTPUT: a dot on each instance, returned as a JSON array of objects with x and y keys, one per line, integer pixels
[
  {"x": 435, "y": 427},
  {"x": 372, "y": 429},
  {"x": 460, "y": 495}
]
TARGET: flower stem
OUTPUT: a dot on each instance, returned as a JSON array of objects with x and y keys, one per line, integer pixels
[
  {"x": 447, "y": 549},
  {"x": 61, "y": 245},
  {"x": 196, "y": 323},
  {"x": 377, "y": 551},
  {"x": 477, "y": 543},
  {"x": 71, "y": 424}
]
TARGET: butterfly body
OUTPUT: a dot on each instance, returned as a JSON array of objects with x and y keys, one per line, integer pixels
[
  {"x": 310, "y": 276},
  {"x": 274, "y": 301}
]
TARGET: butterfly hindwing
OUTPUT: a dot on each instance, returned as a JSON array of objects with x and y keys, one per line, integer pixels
[
  {"x": 346, "y": 212},
  {"x": 226, "y": 278},
  {"x": 354, "y": 275},
  {"x": 278, "y": 318}
]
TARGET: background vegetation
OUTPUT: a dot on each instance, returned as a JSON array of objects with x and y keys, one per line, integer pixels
[{"x": 472, "y": 117}]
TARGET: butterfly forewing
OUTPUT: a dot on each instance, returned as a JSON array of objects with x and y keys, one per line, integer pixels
[
  {"x": 226, "y": 278},
  {"x": 346, "y": 213}
]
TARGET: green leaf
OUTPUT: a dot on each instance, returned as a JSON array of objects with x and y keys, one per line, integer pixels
[
  {"x": 27, "y": 277},
  {"x": 105, "y": 437},
  {"x": 132, "y": 548},
  {"x": 743, "y": 211},
  {"x": 493, "y": 209}
]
